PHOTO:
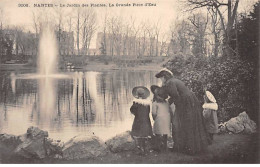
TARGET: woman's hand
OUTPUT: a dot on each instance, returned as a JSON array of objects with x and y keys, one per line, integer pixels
[
  {"x": 170, "y": 100},
  {"x": 154, "y": 117}
]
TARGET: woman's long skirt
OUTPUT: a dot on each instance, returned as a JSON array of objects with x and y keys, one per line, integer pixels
[{"x": 188, "y": 130}]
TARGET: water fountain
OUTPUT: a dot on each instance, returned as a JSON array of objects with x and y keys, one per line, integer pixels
[
  {"x": 47, "y": 75},
  {"x": 64, "y": 103},
  {"x": 47, "y": 64},
  {"x": 47, "y": 60}
]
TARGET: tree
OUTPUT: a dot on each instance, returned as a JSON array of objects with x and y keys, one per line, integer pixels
[
  {"x": 60, "y": 13},
  {"x": 248, "y": 51},
  {"x": 2, "y": 18},
  {"x": 104, "y": 47},
  {"x": 115, "y": 26},
  {"x": 151, "y": 34},
  {"x": 198, "y": 32},
  {"x": 157, "y": 33},
  {"x": 18, "y": 32},
  {"x": 2, "y": 39},
  {"x": 6, "y": 47},
  {"x": 180, "y": 37},
  {"x": 232, "y": 12},
  {"x": 135, "y": 31},
  {"x": 78, "y": 29},
  {"x": 164, "y": 45},
  {"x": 234, "y": 81},
  {"x": 36, "y": 26},
  {"x": 143, "y": 43},
  {"x": 248, "y": 35},
  {"x": 89, "y": 28},
  {"x": 215, "y": 20},
  {"x": 126, "y": 40}
]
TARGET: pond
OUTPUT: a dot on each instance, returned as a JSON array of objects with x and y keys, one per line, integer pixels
[{"x": 71, "y": 103}]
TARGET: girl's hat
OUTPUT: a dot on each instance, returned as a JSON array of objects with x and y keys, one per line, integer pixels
[
  {"x": 140, "y": 91},
  {"x": 153, "y": 88},
  {"x": 210, "y": 97},
  {"x": 164, "y": 72},
  {"x": 160, "y": 92}
]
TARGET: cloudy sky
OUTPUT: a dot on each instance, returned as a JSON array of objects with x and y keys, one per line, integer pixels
[{"x": 166, "y": 10}]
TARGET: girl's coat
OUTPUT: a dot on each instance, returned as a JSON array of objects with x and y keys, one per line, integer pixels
[
  {"x": 142, "y": 124},
  {"x": 210, "y": 115}
]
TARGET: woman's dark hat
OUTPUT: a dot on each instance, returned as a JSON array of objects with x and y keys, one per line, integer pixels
[
  {"x": 140, "y": 91},
  {"x": 164, "y": 72}
]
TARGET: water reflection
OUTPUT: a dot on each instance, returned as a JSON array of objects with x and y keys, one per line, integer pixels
[
  {"x": 46, "y": 107},
  {"x": 77, "y": 103}
]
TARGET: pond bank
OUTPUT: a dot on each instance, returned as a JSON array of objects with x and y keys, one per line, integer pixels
[
  {"x": 102, "y": 67},
  {"x": 226, "y": 148},
  {"x": 231, "y": 145},
  {"x": 90, "y": 67}
]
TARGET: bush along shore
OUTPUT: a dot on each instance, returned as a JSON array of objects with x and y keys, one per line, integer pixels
[
  {"x": 232, "y": 81},
  {"x": 35, "y": 147}
]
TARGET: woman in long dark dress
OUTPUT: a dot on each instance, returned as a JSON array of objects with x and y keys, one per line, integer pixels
[{"x": 188, "y": 129}]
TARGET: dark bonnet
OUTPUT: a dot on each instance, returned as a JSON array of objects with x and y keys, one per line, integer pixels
[{"x": 163, "y": 74}]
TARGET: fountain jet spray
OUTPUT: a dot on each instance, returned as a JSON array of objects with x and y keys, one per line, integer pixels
[{"x": 47, "y": 60}]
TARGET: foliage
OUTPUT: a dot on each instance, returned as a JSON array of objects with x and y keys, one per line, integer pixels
[
  {"x": 102, "y": 49},
  {"x": 6, "y": 47},
  {"x": 233, "y": 80},
  {"x": 225, "y": 77},
  {"x": 248, "y": 35}
]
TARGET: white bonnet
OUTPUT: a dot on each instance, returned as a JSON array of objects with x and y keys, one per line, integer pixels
[{"x": 210, "y": 97}]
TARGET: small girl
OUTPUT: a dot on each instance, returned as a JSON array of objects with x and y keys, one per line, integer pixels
[
  {"x": 141, "y": 129},
  {"x": 162, "y": 118},
  {"x": 210, "y": 108}
]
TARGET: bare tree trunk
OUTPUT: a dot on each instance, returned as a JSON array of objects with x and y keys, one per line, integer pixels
[
  {"x": 59, "y": 38},
  {"x": 227, "y": 50},
  {"x": 157, "y": 41},
  {"x": 236, "y": 29},
  {"x": 84, "y": 39},
  {"x": 16, "y": 43},
  {"x": 105, "y": 43},
  {"x": 78, "y": 33},
  {"x": 144, "y": 44},
  {"x": 104, "y": 37}
]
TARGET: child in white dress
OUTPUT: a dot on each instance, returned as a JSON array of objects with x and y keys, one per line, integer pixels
[
  {"x": 162, "y": 118},
  {"x": 210, "y": 108}
]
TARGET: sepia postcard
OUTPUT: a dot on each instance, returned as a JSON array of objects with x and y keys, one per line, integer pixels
[{"x": 129, "y": 81}]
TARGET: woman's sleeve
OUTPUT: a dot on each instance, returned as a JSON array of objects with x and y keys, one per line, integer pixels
[
  {"x": 154, "y": 110},
  {"x": 172, "y": 91},
  {"x": 133, "y": 108}
]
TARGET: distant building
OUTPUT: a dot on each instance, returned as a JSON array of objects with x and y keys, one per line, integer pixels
[
  {"x": 99, "y": 40},
  {"x": 119, "y": 45}
]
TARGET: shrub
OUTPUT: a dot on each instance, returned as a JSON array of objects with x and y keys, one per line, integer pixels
[{"x": 231, "y": 80}]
